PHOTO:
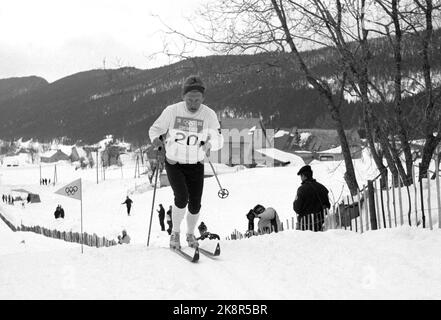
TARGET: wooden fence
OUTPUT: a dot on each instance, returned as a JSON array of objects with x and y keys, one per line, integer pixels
[{"x": 91, "y": 240}]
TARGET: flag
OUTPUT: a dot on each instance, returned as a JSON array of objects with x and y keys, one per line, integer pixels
[{"x": 71, "y": 190}]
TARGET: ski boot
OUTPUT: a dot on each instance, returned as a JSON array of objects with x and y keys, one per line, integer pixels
[
  {"x": 174, "y": 241},
  {"x": 191, "y": 240}
]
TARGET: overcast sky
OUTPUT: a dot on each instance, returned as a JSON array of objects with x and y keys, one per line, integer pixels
[{"x": 56, "y": 38}]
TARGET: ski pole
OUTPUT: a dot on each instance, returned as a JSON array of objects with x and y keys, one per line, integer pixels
[
  {"x": 222, "y": 193},
  {"x": 158, "y": 169}
]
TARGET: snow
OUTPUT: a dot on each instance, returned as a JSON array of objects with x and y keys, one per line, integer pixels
[
  {"x": 280, "y": 133},
  {"x": 399, "y": 263},
  {"x": 283, "y": 156}
]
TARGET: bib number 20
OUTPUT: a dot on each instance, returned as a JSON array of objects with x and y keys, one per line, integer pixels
[{"x": 189, "y": 140}]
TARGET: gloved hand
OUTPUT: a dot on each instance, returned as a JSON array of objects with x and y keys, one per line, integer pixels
[
  {"x": 158, "y": 142},
  {"x": 206, "y": 147}
]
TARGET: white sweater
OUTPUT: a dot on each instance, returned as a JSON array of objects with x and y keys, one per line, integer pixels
[{"x": 185, "y": 131}]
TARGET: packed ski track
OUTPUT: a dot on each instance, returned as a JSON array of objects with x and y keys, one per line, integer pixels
[{"x": 398, "y": 263}]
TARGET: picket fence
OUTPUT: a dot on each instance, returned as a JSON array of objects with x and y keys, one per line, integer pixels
[{"x": 91, "y": 240}]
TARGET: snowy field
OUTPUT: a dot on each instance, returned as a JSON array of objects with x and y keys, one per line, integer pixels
[{"x": 401, "y": 263}]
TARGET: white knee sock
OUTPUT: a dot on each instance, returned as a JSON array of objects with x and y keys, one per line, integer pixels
[
  {"x": 177, "y": 217},
  {"x": 192, "y": 219}
]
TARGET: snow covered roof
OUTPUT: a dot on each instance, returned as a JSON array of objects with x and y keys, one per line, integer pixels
[
  {"x": 282, "y": 156},
  {"x": 65, "y": 149},
  {"x": 48, "y": 154},
  {"x": 336, "y": 150}
]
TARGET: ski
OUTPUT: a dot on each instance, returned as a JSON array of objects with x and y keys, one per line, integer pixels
[
  {"x": 216, "y": 252},
  {"x": 186, "y": 256}
]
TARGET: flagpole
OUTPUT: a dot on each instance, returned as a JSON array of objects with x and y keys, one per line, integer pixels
[{"x": 81, "y": 201}]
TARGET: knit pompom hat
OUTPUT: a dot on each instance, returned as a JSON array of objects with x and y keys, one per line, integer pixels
[{"x": 193, "y": 83}]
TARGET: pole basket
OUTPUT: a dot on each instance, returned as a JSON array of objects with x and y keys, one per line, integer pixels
[{"x": 223, "y": 193}]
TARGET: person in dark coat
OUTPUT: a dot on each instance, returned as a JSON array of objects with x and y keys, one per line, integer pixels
[
  {"x": 311, "y": 201},
  {"x": 203, "y": 231},
  {"x": 251, "y": 216},
  {"x": 128, "y": 204},
  {"x": 161, "y": 215},
  {"x": 61, "y": 212},
  {"x": 28, "y": 198},
  {"x": 169, "y": 220},
  {"x": 57, "y": 212}
]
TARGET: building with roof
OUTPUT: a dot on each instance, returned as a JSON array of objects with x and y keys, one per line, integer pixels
[{"x": 241, "y": 139}]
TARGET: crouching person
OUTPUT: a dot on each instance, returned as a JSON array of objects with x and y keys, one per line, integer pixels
[
  {"x": 268, "y": 219},
  {"x": 124, "y": 238}
]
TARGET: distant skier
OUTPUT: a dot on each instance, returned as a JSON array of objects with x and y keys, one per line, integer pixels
[
  {"x": 203, "y": 231},
  {"x": 169, "y": 220},
  {"x": 311, "y": 201},
  {"x": 161, "y": 215},
  {"x": 183, "y": 135},
  {"x": 128, "y": 204}
]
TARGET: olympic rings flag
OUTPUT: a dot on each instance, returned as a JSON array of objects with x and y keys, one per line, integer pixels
[{"x": 71, "y": 190}]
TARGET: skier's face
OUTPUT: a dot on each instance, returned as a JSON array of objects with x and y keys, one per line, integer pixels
[{"x": 193, "y": 100}]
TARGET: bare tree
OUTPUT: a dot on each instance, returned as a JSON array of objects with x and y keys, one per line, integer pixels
[{"x": 254, "y": 26}]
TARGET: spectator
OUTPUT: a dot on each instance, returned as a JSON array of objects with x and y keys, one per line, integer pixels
[
  {"x": 161, "y": 216},
  {"x": 57, "y": 212},
  {"x": 205, "y": 234},
  {"x": 125, "y": 238},
  {"x": 268, "y": 219},
  {"x": 311, "y": 202}
]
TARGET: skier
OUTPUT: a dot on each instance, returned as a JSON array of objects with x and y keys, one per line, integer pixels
[
  {"x": 161, "y": 216},
  {"x": 169, "y": 220},
  {"x": 183, "y": 135},
  {"x": 128, "y": 204},
  {"x": 311, "y": 201}
]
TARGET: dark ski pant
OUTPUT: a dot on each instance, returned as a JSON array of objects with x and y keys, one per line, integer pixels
[
  {"x": 187, "y": 182},
  {"x": 128, "y": 209},
  {"x": 161, "y": 221},
  {"x": 170, "y": 226}
]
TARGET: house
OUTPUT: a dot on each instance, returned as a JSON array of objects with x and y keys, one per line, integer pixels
[
  {"x": 54, "y": 156},
  {"x": 241, "y": 139}
]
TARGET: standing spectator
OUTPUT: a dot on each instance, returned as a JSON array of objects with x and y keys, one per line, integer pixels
[
  {"x": 311, "y": 201},
  {"x": 169, "y": 220},
  {"x": 57, "y": 212},
  {"x": 161, "y": 216},
  {"x": 28, "y": 198},
  {"x": 128, "y": 204}
]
